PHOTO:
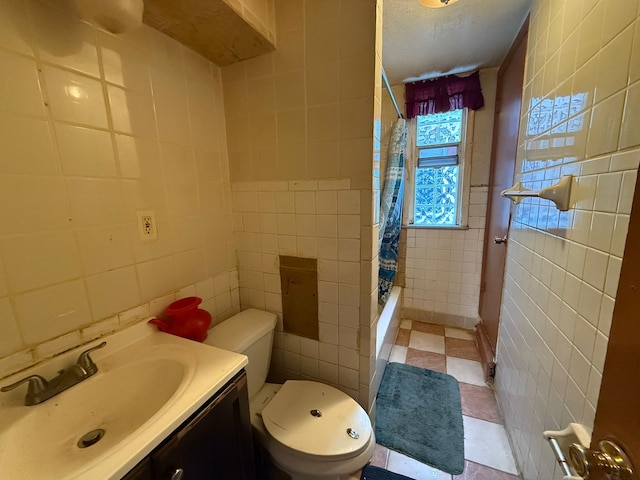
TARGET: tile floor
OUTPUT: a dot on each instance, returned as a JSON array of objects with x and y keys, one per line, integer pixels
[{"x": 451, "y": 350}]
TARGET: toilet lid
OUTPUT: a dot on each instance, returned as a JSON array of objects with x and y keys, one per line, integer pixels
[{"x": 317, "y": 419}]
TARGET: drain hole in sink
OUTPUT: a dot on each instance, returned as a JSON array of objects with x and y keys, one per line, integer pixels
[{"x": 91, "y": 438}]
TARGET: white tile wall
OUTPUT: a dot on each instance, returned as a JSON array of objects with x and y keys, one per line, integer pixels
[
  {"x": 94, "y": 128},
  {"x": 303, "y": 122},
  {"x": 563, "y": 267},
  {"x": 264, "y": 230},
  {"x": 149, "y": 112},
  {"x": 305, "y": 111},
  {"x": 443, "y": 267}
]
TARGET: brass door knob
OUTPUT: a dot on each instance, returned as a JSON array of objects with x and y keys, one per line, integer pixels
[
  {"x": 499, "y": 240},
  {"x": 610, "y": 459}
]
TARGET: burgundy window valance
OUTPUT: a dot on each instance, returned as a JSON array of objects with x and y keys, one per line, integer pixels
[{"x": 443, "y": 94}]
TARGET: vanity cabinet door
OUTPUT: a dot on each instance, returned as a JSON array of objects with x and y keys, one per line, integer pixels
[{"x": 214, "y": 443}]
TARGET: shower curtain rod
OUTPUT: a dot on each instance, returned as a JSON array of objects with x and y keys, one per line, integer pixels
[{"x": 393, "y": 99}]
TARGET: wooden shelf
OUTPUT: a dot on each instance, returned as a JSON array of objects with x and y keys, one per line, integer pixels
[{"x": 210, "y": 27}]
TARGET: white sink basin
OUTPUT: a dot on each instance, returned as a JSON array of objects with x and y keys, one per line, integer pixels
[{"x": 141, "y": 393}]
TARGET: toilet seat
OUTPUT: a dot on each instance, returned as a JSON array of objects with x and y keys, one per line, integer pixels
[{"x": 316, "y": 419}]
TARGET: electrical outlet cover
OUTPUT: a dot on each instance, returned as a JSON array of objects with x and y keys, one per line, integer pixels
[{"x": 147, "y": 226}]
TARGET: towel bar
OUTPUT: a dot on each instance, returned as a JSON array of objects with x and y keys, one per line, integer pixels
[{"x": 558, "y": 193}]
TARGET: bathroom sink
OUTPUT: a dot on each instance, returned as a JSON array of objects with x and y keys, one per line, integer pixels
[
  {"x": 103, "y": 426},
  {"x": 116, "y": 402}
]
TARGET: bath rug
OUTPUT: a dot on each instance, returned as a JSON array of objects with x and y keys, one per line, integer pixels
[
  {"x": 376, "y": 473},
  {"x": 419, "y": 414}
]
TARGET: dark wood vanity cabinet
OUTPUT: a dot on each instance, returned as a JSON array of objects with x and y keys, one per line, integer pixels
[{"x": 214, "y": 443}]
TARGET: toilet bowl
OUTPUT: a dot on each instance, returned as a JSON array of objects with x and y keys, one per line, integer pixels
[{"x": 311, "y": 430}]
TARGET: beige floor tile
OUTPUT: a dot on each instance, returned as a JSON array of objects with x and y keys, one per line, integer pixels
[
  {"x": 404, "y": 465},
  {"x": 398, "y": 354},
  {"x": 427, "y": 342},
  {"x": 406, "y": 324},
  {"x": 467, "y": 371},
  {"x": 486, "y": 443}
]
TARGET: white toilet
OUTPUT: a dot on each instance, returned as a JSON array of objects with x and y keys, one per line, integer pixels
[{"x": 312, "y": 431}]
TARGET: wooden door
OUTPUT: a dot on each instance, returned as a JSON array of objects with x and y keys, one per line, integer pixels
[
  {"x": 503, "y": 160},
  {"x": 618, "y": 410}
]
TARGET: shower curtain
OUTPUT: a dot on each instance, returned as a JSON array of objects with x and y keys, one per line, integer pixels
[{"x": 391, "y": 210}]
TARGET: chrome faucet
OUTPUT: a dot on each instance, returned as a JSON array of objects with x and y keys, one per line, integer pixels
[{"x": 41, "y": 389}]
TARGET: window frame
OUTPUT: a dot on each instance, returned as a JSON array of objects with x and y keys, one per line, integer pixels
[{"x": 464, "y": 166}]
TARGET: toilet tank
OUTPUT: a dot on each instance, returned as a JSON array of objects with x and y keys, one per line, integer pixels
[{"x": 251, "y": 333}]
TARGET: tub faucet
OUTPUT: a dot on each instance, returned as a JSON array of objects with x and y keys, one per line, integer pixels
[{"x": 40, "y": 389}]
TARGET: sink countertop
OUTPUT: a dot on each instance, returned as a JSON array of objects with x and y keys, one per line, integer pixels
[{"x": 203, "y": 371}]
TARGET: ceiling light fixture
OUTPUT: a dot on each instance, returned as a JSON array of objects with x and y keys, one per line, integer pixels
[{"x": 436, "y": 3}]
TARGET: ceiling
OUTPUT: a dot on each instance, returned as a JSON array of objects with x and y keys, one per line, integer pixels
[{"x": 420, "y": 42}]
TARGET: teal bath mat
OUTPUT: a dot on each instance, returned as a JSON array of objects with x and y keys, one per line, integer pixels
[{"x": 418, "y": 413}]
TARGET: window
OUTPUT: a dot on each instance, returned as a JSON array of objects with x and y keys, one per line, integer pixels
[{"x": 438, "y": 169}]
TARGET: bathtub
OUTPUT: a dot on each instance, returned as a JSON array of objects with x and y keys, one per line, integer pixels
[{"x": 387, "y": 325}]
